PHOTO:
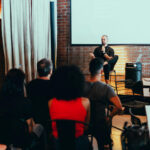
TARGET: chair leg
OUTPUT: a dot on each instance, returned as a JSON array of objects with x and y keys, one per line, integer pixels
[
  {"x": 116, "y": 82},
  {"x": 110, "y": 77}
]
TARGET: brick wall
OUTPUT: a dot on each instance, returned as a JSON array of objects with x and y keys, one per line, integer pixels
[{"x": 79, "y": 55}]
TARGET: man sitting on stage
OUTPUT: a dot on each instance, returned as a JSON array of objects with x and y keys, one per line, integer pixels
[{"x": 107, "y": 54}]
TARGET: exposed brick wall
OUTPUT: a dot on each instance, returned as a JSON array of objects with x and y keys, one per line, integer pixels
[{"x": 79, "y": 55}]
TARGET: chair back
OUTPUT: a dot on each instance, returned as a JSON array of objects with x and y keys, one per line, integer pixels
[
  {"x": 13, "y": 131},
  {"x": 66, "y": 134}
]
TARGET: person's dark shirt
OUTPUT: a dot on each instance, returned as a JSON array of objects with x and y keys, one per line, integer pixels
[
  {"x": 14, "y": 111},
  {"x": 99, "y": 53},
  {"x": 15, "y": 107},
  {"x": 40, "y": 92}
]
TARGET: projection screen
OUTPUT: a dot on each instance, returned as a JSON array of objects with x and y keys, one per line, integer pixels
[{"x": 124, "y": 21}]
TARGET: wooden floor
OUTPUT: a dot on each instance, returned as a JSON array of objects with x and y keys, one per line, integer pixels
[{"x": 118, "y": 121}]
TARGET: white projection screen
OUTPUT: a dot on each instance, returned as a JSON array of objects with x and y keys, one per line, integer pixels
[{"x": 124, "y": 21}]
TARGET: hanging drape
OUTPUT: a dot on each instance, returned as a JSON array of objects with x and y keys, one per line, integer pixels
[{"x": 26, "y": 34}]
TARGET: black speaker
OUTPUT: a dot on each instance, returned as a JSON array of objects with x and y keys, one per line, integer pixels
[{"x": 133, "y": 73}]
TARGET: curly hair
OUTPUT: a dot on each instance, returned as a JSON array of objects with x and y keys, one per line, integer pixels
[
  {"x": 13, "y": 84},
  {"x": 68, "y": 82}
]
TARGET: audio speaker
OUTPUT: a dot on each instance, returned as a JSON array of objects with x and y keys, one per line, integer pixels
[{"x": 133, "y": 73}]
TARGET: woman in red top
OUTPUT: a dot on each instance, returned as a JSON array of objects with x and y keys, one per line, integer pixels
[{"x": 68, "y": 103}]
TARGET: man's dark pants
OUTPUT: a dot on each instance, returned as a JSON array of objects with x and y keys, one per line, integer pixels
[{"x": 110, "y": 66}]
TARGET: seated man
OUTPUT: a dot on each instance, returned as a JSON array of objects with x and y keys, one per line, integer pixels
[
  {"x": 101, "y": 95},
  {"x": 107, "y": 54},
  {"x": 39, "y": 92}
]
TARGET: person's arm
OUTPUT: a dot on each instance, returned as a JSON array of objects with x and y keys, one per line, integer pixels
[
  {"x": 115, "y": 101},
  {"x": 31, "y": 124},
  {"x": 27, "y": 115},
  {"x": 91, "y": 55},
  {"x": 50, "y": 103},
  {"x": 117, "y": 106},
  {"x": 116, "y": 109},
  {"x": 107, "y": 57},
  {"x": 86, "y": 105}
]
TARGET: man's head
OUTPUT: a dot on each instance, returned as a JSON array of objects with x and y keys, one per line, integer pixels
[
  {"x": 104, "y": 40},
  {"x": 44, "y": 67},
  {"x": 95, "y": 66}
]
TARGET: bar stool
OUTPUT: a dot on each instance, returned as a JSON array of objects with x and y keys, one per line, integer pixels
[{"x": 113, "y": 73}]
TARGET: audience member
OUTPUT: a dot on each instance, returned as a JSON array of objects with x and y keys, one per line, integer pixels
[
  {"x": 68, "y": 103},
  {"x": 15, "y": 110},
  {"x": 39, "y": 92},
  {"x": 101, "y": 95}
]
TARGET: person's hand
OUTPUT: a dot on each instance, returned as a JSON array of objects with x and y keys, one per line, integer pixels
[
  {"x": 3, "y": 147},
  {"x": 103, "y": 49},
  {"x": 105, "y": 63},
  {"x": 123, "y": 109},
  {"x": 111, "y": 57}
]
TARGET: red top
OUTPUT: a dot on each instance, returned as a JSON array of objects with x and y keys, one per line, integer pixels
[{"x": 71, "y": 110}]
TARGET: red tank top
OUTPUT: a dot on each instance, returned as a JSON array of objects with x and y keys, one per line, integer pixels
[{"x": 71, "y": 110}]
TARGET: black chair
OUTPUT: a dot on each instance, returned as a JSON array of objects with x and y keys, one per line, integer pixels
[
  {"x": 66, "y": 135},
  {"x": 13, "y": 132},
  {"x": 95, "y": 107}
]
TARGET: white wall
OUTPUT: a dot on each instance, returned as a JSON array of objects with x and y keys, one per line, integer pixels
[{"x": 124, "y": 21}]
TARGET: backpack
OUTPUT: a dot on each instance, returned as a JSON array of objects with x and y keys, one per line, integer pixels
[{"x": 135, "y": 137}]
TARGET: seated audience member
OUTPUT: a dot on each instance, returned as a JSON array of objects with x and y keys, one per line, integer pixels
[
  {"x": 39, "y": 92},
  {"x": 101, "y": 95},
  {"x": 68, "y": 103},
  {"x": 106, "y": 53},
  {"x": 15, "y": 110}
]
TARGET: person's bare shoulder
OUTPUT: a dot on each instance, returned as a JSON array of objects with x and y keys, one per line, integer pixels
[
  {"x": 85, "y": 102},
  {"x": 50, "y": 103}
]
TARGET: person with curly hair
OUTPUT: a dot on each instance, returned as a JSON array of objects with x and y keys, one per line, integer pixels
[{"x": 68, "y": 103}]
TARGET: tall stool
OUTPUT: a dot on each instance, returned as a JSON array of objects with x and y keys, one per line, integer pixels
[{"x": 113, "y": 73}]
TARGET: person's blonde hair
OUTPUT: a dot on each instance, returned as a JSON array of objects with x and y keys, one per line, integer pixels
[{"x": 105, "y": 36}]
